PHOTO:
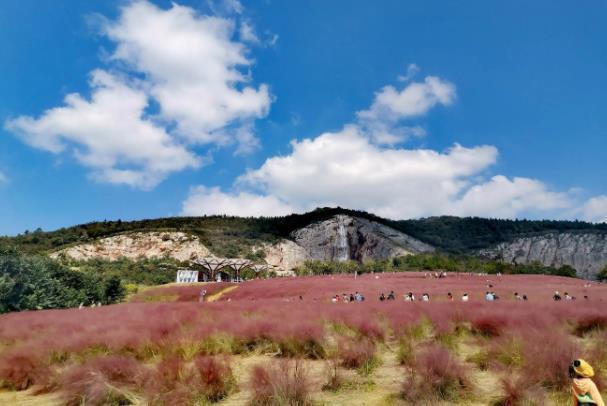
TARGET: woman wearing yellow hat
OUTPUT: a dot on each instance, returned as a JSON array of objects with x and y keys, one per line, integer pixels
[{"x": 585, "y": 392}]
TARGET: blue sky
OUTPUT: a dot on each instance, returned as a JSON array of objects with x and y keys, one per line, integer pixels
[{"x": 492, "y": 108}]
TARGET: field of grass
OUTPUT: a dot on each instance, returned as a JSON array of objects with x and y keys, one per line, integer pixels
[{"x": 283, "y": 342}]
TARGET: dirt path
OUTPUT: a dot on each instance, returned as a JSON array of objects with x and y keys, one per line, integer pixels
[{"x": 218, "y": 295}]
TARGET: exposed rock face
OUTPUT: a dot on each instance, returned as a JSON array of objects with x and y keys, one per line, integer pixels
[
  {"x": 343, "y": 237},
  {"x": 285, "y": 255},
  {"x": 587, "y": 253},
  {"x": 177, "y": 245}
]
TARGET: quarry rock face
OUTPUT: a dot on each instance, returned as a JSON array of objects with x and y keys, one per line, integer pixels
[
  {"x": 285, "y": 255},
  {"x": 343, "y": 238},
  {"x": 138, "y": 245},
  {"x": 586, "y": 252}
]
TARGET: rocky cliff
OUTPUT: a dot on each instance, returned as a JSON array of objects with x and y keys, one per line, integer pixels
[
  {"x": 343, "y": 237},
  {"x": 137, "y": 245},
  {"x": 586, "y": 252}
]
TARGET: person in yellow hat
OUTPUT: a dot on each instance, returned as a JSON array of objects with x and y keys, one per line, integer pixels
[{"x": 585, "y": 392}]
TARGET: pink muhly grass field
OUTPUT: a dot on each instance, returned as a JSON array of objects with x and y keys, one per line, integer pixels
[{"x": 41, "y": 347}]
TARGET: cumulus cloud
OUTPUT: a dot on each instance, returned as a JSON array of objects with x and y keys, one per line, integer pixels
[
  {"x": 346, "y": 169},
  {"x": 415, "y": 99},
  {"x": 202, "y": 200},
  {"x": 412, "y": 70},
  {"x": 186, "y": 64},
  {"x": 247, "y": 33},
  {"x": 595, "y": 209},
  {"x": 391, "y": 106},
  {"x": 359, "y": 167},
  {"x": 192, "y": 66},
  {"x": 506, "y": 198},
  {"x": 108, "y": 134}
]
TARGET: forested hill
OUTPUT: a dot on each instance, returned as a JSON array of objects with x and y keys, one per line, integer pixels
[{"x": 450, "y": 234}]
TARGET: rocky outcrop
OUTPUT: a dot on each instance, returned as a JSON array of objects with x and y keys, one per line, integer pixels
[
  {"x": 285, "y": 255},
  {"x": 344, "y": 238},
  {"x": 138, "y": 245},
  {"x": 586, "y": 252}
]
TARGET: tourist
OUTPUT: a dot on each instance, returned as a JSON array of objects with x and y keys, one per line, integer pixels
[
  {"x": 391, "y": 295},
  {"x": 334, "y": 299},
  {"x": 344, "y": 298},
  {"x": 525, "y": 298},
  {"x": 584, "y": 390},
  {"x": 352, "y": 299},
  {"x": 557, "y": 296},
  {"x": 465, "y": 297},
  {"x": 425, "y": 297},
  {"x": 567, "y": 296},
  {"x": 203, "y": 293},
  {"x": 382, "y": 297},
  {"x": 449, "y": 297},
  {"x": 489, "y": 297},
  {"x": 517, "y": 296}
]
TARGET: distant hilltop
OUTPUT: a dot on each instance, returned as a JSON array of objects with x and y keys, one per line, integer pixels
[{"x": 328, "y": 234}]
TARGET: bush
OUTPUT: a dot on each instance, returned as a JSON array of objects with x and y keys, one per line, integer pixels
[
  {"x": 281, "y": 383},
  {"x": 591, "y": 322},
  {"x": 546, "y": 359},
  {"x": 215, "y": 377},
  {"x": 518, "y": 391},
  {"x": 357, "y": 354},
  {"x": 101, "y": 381},
  {"x": 436, "y": 375},
  {"x": 21, "y": 369}
]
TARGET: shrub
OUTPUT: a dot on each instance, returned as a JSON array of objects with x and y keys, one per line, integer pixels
[
  {"x": 215, "y": 377},
  {"x": 357, "y": 354},
  {"x": 436, "y": 375},
  {"x": 101, "y": 381},
  {"x": 488, "y": 325},
  {"x": 21, "y": 369},
  {"x": 591, "y": 322},
  {"x": 518, "y": 391},
  {"x": 546, "y": 359},
  {"x": 281, "y": 383}
]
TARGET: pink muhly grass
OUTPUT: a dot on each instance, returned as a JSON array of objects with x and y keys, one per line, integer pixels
[
  {"x": 355, "y": 353},
  {"x": 546, "y": 358},
  {"x": 591, "y": 322},
  {"x": 519, "y": 391},
  {"x": 214, "y": 377},
  {"x": 284, "y": 382},
  {"x": 101, "y": 381},
  {"x": 436, "y": 375},
  {"x": 22, "y": 368}
]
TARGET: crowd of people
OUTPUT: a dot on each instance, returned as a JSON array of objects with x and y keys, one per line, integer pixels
[
  {"x": 348, "y": 298},
  {"x": 490, "y": 296}
]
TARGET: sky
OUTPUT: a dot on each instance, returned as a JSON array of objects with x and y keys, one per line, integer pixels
[{"x": 116, "y": 109}]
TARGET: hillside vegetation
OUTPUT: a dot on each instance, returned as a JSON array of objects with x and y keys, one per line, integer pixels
[{"x": 234, "y": 236}]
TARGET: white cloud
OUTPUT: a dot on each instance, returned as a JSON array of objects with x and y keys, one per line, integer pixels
[
  {"x": 247, "y": 33},
  {"x": 192, "y": 68},
  {"x": 345, "y": 169},
  {"x": 209, "y": 201},
  {"x": 595, "y": 209},
  {"x": 109, "y": 134},
  {"x": 412, "y": 70},
  {"x": 506, "y": 198},
  {"x": 188, "y": 65},
  {"x": 3, "y": 177},
  {"x": 415, "y": 99},
  {"x": 390, "y": 106}
]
